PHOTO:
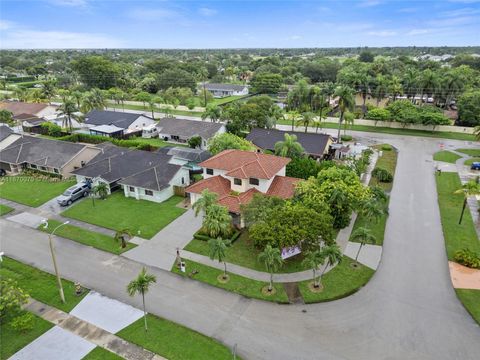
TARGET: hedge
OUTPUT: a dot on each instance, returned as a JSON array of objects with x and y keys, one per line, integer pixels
[
  {"x": 199, "y": 236},
  {"x": 95, "y": 139}
]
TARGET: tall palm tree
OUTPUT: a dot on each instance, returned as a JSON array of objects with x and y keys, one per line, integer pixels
[
  {"x": 217, "y": 221},
  {"x": 272, "y": 260},
  {"x": 364, "y": 236},
  {"x": 21, "y": 94},
  {"x": 410, "y": 82},
  {"x": 332, "y": 254},
  {"x": 289, "y": 147},
  {"x": 451, "y": 86},
  {"x": 94, "y": 99},
  {"x": 77, "y": 96},
  {"x": 313, "y": 260},
  {"x": 294, "y": 116},
  {"x": 372, "y": 209},
  {"x": 152, "y": 106},
  {"x": 217, "y": 251},
  {"x": 395, "y": 87},
  {"x": 468, "y": 189},
  {"x": 381, "y": 88},
  {"x": 213, "y": 112},
  {"x": 306, "y": 119},
  {"x": 208, "y": 199},
  {"x": 49, "y": 89},
  {"x": 428, "y": 83},
  {"x": 141, "y": 285},
  {"x": 346, "y": 101},
  {"x": 121, "y": 237},
  {"x": 67, "y": 110}
]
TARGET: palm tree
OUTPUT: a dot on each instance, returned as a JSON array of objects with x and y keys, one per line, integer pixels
[
  {"x": 313, "y": 260},
  {"x": 217, "y": 221},
  {"x": 306, "y": 119},
  {"x": 272, "y": 260},
  {"x": 468, "y": 189},
  {"x": 372, "y": 210},
  {"x": 213, "y": 112},
  {"x": 101, "y": 189},
  {"x": 410, "y": 83},
  {"x": 428, "y": 83},
  {"x": 381, "y": 88},
  {"x": 452, "y": 85},
  {"x": 332, "y": 254},
  {"x": 395, "y": 87},
  {"x": 152, "y": 106},
  {"x": 67, "y": 110},
  {"x": 346, "y": 101},
  {"x": 140, "y": 285},
  {"x": 364, "y": 236},
  {"x": 49, "y": 89},
  {"x": 294, "y": 116},
  {"x": 94, "y": 99},
  {"x": 77, "y": 96},
  {"x": 120, "y": 236},
  {"x": 208, "y": 198},
  {"x": 21, "y": 93},
  {"x": 217, "y": 249},
  {"x": 290, "y": 147}
]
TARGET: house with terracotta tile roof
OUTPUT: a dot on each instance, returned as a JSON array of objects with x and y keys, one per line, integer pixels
[{"x": 236, "y": 176}]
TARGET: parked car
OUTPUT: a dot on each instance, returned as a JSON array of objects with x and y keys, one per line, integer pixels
[
  {"x": 73, "y": 193},
  {"x": 475, "y": 166},
  {"x": 3, "y": 172}
]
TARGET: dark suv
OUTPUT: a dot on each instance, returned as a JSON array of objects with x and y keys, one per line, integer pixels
[
  {"x": 73, "y": 193},
  {"x": 475, "y": 166}
]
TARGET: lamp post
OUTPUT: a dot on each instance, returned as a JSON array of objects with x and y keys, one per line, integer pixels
[{"x": 54, "y": 259}]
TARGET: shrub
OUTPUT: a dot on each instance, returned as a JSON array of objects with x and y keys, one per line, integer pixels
[
  {"x": 202, "y": 236},
  {"x": 22, "y": 323},
  {"x": 52, "y": 129},
  {"x": 387, "y": 147},
  {"x": 382, "y": 175},
  {"x": 346, "y": 137},
  {"x": 378, "y": 114},
  {"x": 468, "y": 258}
]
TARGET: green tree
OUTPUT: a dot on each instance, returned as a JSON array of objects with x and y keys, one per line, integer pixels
[
  {"x": 94, "y": 99},
  {"x": 212, "y": 112},
  {"x": 122, "y": 236},
  {"x": 217, "y": 251},
  {"x": 101, "y": 190},
  {"x": 289, "y": 147},
  {"x": 207, "y": 199},
  {"x": 67, "y": 110},
  {"x": 260, "y": 208},
  {"x": 141, "y": 285},
  {"x": 48, "y": 90},
  {"x": 195, "y": 142},
  {"x": 366, "y": 56},
  {"x": 144, "y": 97},
  {"x": 176, "y": 78},
  {"x": 304, "y": 167},
  {"x": 227, "y": 141},
  {"x": 217, "y": 221},
  {"x": 272, "y": 260},
  {"x": 332, "y": 254},
  {"x": 363, "y": 236},
  {"x": 477, "y": 132},
  {"x": 12, "y": 297},
  {"x": 266, "y": 83},
  {"x": 306, "y": 119},
  {"x": 471, "y": 188},
  {"x": 6, "y": 117},
  {"x": 469, "y": 108},
  {"x": 313, "y": 260},
  {"x": 96, "y": 71},
  {"x": 346, "y": 101}
]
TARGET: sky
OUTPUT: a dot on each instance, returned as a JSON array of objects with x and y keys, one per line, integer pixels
[{"x": 237, "y": 24}]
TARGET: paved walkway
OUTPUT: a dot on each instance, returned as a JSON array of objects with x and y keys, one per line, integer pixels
[
  {"x": 83, "y": 330},
  {"x": 370, "y": 255},
  {"x": 161, "y": 249}
]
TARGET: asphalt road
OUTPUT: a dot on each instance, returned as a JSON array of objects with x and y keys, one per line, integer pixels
[{"x": 408, "y": 310}]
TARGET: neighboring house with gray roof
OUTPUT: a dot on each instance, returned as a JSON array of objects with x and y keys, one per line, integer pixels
[
  {"x": 188, "y": 158},
  {"x": 142, "y": 174},
  {"x": 315, "y": 145},
  {"x": 224, "y": 90},
  {"x": 104, "y": 122},
  {"x": 181, "y": 130},
  {"x": 52, "y": 156}
]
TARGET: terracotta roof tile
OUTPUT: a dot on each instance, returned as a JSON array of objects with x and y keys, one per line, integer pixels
[
  {"x": 283, "y": 187},
  {"x": 246, "y": 164},
  {"x": 233, "y": 202},
  {"x": 17, "y": 107},
  {"x": 217, "y": 184}
]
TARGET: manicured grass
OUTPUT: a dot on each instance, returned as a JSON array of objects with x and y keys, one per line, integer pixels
[
  {"x": 87, "y": 237},
  {"x": 174, "y": 341},
  {"x": 471, "y": 301},
  {"x": 30, "y": 190},
  {"x": 457, "y": 236},
  {"x": 12, "y": 340},
  {"x": 471, "y": 152},
  {"x": 4, "y": 209},
  {"x": 243, "y": 252},
  {"x": 387, "y": 161},
  {"x": 143, "y": 218},
  {"x": 405, "y": 132},
  {"x": 101, "y": 354},
  {"x": 158, "y": 110},
  {"x": 237, "y": 284},
  {"x": 377, "y": 228},
  {"x": 40, "y": 285},
  {"x": 341, "y": 281},
  {"x": 446, "y": 156},
  {"x": 472, "y": 160}
]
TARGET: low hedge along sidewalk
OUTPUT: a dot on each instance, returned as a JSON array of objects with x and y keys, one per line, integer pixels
[{"x": 201, "y": 236}]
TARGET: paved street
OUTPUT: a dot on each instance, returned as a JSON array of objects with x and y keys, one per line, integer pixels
[{"x": 408, "y": 310}]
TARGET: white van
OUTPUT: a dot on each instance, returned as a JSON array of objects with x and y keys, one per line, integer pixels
[{"x": 150, "y": 131}]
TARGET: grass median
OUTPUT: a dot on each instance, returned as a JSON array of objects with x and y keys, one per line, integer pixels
[
  {"x": 101, "y": 354},
  {"x": 471, "y": 301},
  {"x": 4, "y": 209},
  {"x": 471, "y": 152},
  {"x": 237, "y": 284},
  {"x": 87, "y": 237},
  {"x": 446, "y": 156},
  {"x": 174, "y": 341}
]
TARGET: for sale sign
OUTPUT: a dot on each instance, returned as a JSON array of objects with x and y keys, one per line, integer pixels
[{"x": 288, "y": 252}]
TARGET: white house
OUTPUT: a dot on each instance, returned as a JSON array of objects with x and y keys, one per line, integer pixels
[
  {"x": 107, "y": 123},
  {"x": 224, "y": 90}
]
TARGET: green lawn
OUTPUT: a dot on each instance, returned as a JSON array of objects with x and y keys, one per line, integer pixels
[
  {"x": 12, "y": 340},
  {"x": 4, "y": 209},
  {"x": 376, "y": 228},
  {"x": 341, "y": 281},
  {"x": 87, "y": 237},
  {"x": 404, "y": 132},
  {"x": 172, "y": 111},
  {"x": 117, "y": 212},
  {"x": 387, "y": 161},
  {"x": 243, "y": 252},
  {"x": 101, "y": 354},
  {"x": 237, "y": 284},
  {"x": 471, "y": 152},
  {"x": 471, "y": 301},
  {"x": 40, "y": 285},
  {"x": 32, "y": 191},
  {"x": 457, "y": 236},
  {"x": 446, "y": 156},
  {"x": 174, "y": 341},
  {"x": 472, "y": 160}
]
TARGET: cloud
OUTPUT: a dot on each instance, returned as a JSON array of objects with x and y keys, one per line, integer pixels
[
  {"x": 383, "y": 33},
  {"x": 415, "y": 32},
  {"x": 454, "y": 21},
  {"x": 5, "y": 24},
  {"x": 207, "y": 11},
  {"x": 71, "y": 3},
  {"x": 408, "y": 10},
  {"x": 460, "y": 12},
  {"x": 153, "y": 14},
  {"x": 294, "y": 37},
  {"x": 369, "y": 3}
]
